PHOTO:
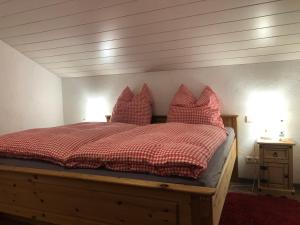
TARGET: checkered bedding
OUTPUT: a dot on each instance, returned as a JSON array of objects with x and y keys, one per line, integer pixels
[
  {"x": 162, "y": 149},
  {"x": 58, "y": 143},
  {"x": 133, "y": 109},
  {"x": 185, "y": 108}
]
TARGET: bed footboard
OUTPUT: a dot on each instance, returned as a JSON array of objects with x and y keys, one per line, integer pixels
[
  {"x": 66, "y": 198},
  {"x": 76, "y": 199}
]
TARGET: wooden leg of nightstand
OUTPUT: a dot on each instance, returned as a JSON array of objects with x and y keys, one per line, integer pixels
[{"x": 277, "y": 191}]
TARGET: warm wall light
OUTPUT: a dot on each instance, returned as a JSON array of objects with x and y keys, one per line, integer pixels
[
  {"x": 267, "y": 109},
  {"x": 96, "y": 109}
]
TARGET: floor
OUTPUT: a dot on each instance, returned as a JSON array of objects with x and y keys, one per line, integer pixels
[
  {"x": 244, "y": 187},
  {"x": 248, "y": 187}
]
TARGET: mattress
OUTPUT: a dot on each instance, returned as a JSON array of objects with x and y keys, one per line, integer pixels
[{"x": 209, "y": 178}]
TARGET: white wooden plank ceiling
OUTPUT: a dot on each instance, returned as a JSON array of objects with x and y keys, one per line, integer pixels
[{"x": 74, "y": 38}]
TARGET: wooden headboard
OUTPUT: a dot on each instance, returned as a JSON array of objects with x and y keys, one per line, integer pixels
[{"x": 229, "y": 120}]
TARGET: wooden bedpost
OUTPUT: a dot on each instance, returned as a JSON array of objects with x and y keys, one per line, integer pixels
[{"x": 231, "y": 121}]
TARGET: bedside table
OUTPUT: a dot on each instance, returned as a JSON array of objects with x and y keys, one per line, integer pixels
[{"x": 276, "y": 165}]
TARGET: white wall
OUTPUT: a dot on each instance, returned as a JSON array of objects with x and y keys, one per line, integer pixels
[
  {"x": 234, "y": 84},
  {"x": 30, "y": 96}
]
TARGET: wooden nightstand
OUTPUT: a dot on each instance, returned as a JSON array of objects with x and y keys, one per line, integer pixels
[{"x": 276, "y": 165}]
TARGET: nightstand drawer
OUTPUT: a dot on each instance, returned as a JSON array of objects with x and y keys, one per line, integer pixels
[
  {"x": 276, "y": 153},
  {"x": 274, "y": 175}
]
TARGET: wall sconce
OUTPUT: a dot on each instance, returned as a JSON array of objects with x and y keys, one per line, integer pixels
[
  {"x": 96, "y": 109},
  {"x": 267, "y": 113}
]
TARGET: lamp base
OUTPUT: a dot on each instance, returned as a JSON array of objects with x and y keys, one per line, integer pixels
[{"x": 266, "y": 138}]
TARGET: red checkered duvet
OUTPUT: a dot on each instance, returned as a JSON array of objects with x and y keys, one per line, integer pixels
[
  {"x": 56, "y": 144},
  {"x": 162, "y": 149}
]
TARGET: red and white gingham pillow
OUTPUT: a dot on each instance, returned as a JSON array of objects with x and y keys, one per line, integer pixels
[
  {"x": 185, "y": 108},
  {"x": 133, "y": 109}
]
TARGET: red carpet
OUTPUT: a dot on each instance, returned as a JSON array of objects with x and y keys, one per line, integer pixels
[{"x": 245, "y": 209}]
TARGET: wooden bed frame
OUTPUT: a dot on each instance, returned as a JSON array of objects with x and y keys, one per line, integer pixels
[{"x": 68, "y": 198}]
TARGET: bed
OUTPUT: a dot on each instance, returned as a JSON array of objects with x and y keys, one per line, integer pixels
[{"x": 64, "y": 197}]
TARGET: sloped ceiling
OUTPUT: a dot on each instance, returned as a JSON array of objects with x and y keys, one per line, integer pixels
[{"x": 74, "y": 38}]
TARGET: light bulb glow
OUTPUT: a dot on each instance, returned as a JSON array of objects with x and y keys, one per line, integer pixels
[
  {"x": 268, "y": 109},
  {"x": 96, "y": 109}
]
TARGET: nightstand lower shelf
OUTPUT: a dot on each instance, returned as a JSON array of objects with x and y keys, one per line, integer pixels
[{"x": 277, "y": 190}]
